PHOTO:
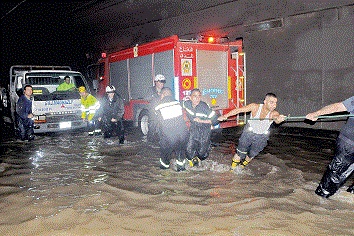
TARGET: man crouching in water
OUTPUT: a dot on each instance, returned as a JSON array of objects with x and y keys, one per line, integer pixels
[
  {"x": 254, "y": 137},
  {"x": 173, "y": 131}
]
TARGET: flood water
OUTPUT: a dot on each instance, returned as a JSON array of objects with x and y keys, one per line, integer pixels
[{"x": 74, "y": 184}]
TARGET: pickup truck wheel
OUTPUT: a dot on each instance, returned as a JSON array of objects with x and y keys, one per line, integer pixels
[{"x": 144, "y": 122}]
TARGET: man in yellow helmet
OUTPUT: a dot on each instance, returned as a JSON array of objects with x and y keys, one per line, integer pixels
[{"x": 89, "y": 106}]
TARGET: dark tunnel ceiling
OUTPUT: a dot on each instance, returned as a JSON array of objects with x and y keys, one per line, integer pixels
[{"x": 101, "y": 17}]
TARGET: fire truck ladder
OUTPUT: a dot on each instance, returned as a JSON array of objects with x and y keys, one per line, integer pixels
[{"x": 240, "y": 88}]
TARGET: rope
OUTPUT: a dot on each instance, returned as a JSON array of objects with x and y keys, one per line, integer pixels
[{"x": 304, "y": 117}]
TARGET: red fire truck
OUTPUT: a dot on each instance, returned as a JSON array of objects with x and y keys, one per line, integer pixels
[{"x": 217, "y": 69}]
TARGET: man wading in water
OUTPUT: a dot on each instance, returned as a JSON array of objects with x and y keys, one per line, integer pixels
[{"x": 254, "y": 137}]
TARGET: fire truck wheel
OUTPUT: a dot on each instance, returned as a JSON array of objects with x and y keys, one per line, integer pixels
[{"x": 144, "y": 121}]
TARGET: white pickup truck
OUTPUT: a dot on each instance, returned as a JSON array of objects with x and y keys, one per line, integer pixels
[{"x": 53, "y": 110}]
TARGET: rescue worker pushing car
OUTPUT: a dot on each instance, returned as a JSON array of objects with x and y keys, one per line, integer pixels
[
  {"x": 89, "y": 106},
  {"x": 111, "y": 114},
  {"x": 173, "y": 131},
  {"x": 202, "y": 117}
]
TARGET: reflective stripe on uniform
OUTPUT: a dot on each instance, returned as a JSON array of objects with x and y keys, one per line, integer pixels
[
  {"x": 167, "y": 104},
  {"x": 197, "y": 114},
  {"x": 180, "y": 163},
  {"x": 189, "y": 111},
  {"x": 95, "y": 106},
  {"x": 163, "y": 164},
  {"x": 241, "y": 152},
  {"x": 211, "y": 114},
  {"x": 83, "y": 109},
  {"x": 170, "y": 110},
  {"x": 201, "y": 115}
]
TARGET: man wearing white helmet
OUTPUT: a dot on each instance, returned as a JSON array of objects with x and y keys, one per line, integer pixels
[
  {"x": 111, "y": 114},
  {"x": 154, "y": 97}
]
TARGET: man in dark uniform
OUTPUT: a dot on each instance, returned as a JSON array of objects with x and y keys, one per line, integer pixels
[
  {"x": 24, "y": 115},
  {"x": 111, "y": 114},
  {"x": 202, "y": 117},
  {"x": 173, "y": 131},
  {"x": 154, "y": 98},
  {"x": 342, "y": 165}
]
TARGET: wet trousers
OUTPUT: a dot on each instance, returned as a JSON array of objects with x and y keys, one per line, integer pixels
[
  {"x": 111, "y": 129},
  {"x": 339, "y": 170},
  {"x": 169, "y": 145},
  {"x": 153, "y": 132},
  {"x": 91, "y": 127},
  {"x": 25, "y": 128},
  {"x": 251, "y": 144},
  {"x": 199, "y": 144}
]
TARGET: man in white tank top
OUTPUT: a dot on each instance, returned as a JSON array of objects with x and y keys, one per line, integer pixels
[{"x": 254, "y": 137}]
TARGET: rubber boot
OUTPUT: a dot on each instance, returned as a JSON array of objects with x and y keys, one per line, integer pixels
[
  {"x": 234, "y": 163},
  {"x": 195, "y": 161},
  {"x": 180, "y": 165},
  {"x": 244, "y": 163},
  {"x": 322, "y": 192},
  {"x": 163, "y": 165}
]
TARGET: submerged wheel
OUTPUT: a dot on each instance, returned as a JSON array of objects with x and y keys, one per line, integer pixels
[{"x": 144, "y": 122}]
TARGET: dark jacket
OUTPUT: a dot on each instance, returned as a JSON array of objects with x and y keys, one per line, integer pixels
[
  {"x": 24, "y": 107},
  {"x": 203, "y": 112},
  {"x": 112, "y": 109},
  {"x": 170, "y": 116},
  {"x": 152, "y": 94},
  {"x": 153, "y": 97}
]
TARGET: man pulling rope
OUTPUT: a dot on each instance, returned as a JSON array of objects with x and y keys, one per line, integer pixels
[{"x": 255, "y": 136}]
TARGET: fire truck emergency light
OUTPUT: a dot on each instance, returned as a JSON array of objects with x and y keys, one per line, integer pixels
[
  {"x": 103, "y": 55},
  {"x": 211, "y": 39},
  {"x": 207, "y": 39}
]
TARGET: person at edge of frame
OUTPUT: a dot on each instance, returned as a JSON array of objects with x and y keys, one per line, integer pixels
[{"x": 342, "y": 164}]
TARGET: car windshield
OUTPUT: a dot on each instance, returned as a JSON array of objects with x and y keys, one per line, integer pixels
[{"x": 55, "y": 85}]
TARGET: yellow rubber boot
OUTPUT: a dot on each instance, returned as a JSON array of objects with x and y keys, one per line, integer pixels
[
  {"x": 234, "y": 163},
  {"x": 190, "y": 163},
  {"x": 245, "y": 163},
  {"x": 194, "y": 162}
]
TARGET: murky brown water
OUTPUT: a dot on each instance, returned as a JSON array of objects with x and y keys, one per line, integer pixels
[{"x": 73, "y": 184}]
